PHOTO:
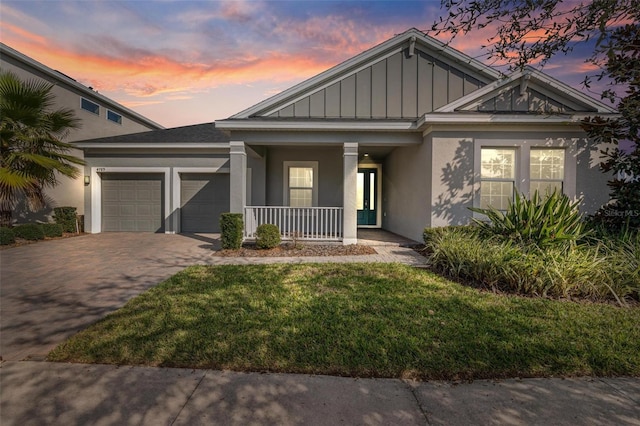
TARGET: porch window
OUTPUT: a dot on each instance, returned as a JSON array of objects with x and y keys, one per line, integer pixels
[
  {"x": 300, "y": 186},
  {"x": 497, "y": 177},
  {"x": 546, "y": 171},
  {"x": 301, "y": 183}
]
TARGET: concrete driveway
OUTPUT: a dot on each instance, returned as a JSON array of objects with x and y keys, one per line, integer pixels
[{"x": 52, "y": 289}]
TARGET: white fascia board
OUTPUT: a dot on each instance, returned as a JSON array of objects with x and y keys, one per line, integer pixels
[
  {"x": 539, "y": 81},
  {"x": 364, "y": 59},
  {"x": 316, "y": 125},
  {"x": 565, "y": 89},
  {"x": 68, "y": 81},
  {"x": 429, "y": 119},
  {"x": 479, "y": 96},
  {"x": 302, "y": 92},
  {"x": 199, "y": 145}
]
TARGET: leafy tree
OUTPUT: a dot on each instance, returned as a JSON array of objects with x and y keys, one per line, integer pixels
[
  {"x": 31, "y": 148},
  {"x": 530, "y": 31}
]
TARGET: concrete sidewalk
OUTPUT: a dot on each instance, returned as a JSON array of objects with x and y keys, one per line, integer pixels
[{"x": 38, "y": 393}]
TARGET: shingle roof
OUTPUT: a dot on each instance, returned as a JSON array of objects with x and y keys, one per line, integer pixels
[{"x": 196, "y": 133}]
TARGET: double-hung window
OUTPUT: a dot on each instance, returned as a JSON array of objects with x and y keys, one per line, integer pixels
[
  {"x": 301, "y": 183},
  {"x": 546, "y": 171},
  {"x": 497, "y": 177}
]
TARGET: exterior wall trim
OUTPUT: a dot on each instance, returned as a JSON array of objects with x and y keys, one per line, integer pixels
[
  {"x": 325, "y": 125},
  {"x": 445, "y": 51},
  {"x": 522, "y": 177},
  {"x": 378, "y": 167},
  {"x": 176, "y": 182},
  {"x": 96, "y": 193},
  {"x": 497, "y": 87},
  {"x": 153, "y": 145}
]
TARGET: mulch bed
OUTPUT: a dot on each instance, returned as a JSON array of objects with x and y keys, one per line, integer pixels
[{"x": 291, "y": 250}]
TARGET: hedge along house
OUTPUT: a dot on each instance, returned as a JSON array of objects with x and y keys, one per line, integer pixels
[{"x": 406, "y": 135}]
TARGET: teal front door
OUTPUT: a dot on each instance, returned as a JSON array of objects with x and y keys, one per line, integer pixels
[{"x": 367, "y": 193}]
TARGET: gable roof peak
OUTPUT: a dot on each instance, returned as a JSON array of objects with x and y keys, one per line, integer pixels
[{"x": 408, "y": 38}]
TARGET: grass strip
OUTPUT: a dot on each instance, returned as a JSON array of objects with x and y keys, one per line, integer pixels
[{"x": 366, "y": 320}]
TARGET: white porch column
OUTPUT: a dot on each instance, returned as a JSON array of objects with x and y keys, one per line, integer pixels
[
  {"x": 238, "y": 178},
  {"x": 350, "y": 218}
]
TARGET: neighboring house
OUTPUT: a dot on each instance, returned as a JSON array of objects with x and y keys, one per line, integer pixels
[
  {"x": 406, "y": 135},
  {"x": 99, "y": 117}
]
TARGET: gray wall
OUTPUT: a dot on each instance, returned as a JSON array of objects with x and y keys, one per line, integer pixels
[
  {"x": 136, "y": 158},
  {"x": 330, "y": 173},
  {"x": 435, "y": 183},
  {"x": 406, "y": 190},
  {"x": 69, "y": 192},
  {"x": 399, "y": 86}
]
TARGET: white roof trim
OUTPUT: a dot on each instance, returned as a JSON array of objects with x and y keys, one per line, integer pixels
[
  {"x": 366, "y": 56},
  {"x": 316, "y": 125},
  {"x": 153, "y": 145},
  {"x": 68, "y": 81},
  {"x": 488, "y": 118},
  {"x": 534, "y": 76}
]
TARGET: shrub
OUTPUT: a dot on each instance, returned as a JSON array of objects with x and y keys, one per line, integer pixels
[
  {"x": 232, "y": 229},
  {"x": 29, "y": 231},
  {"x": 7, "y": 236},
  {"x": 267, "y": 236},
  {"x": 603, "y": 270},
  {"x": 65, "y": 216},
  {"x": 52, "y": 229},
  {"x": 540, "y": 221}
]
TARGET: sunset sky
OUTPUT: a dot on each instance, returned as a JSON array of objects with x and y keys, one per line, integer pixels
[{"x": 189, "y": 62}]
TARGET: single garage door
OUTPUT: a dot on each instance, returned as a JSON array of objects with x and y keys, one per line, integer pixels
[
  {"x": 203, "y": 197},
  {"x": 132, "y": 202}
]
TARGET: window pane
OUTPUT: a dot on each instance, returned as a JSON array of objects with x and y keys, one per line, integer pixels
[
  {"x": 89, "y": 106},
  {"x": 360, "y": 191},
  {"x": 372, "y": 191},
  {"x": 301, "y": 197},
  {"x": 547, "y": 164},
  {"x": 498, "y": 163},
  {"x": 545, "y": 187},
  {"x": 112, "y": 116},
  {"x": 301, "y": 177},
  {"x": 495, "y": 194}
]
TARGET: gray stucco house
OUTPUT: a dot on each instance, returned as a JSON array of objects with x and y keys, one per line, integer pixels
[
  {"x": 99, "y": 117},
  {"x": 405, "y": 135}
]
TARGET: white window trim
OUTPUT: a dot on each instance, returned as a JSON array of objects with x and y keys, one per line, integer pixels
[
  {"x": 564, "y": 171},
  {"x": 514, "y": 180},
  {"x": 111, "y": 121},
  {"x": 89, "y": 100},
  {"x": 96, "y": 193},
  {"x": 378, "y": 167},
  {"x": 522, "y": 163},
  {"x": 176, "y": 182},
  {"x": 285, "y": 180}
]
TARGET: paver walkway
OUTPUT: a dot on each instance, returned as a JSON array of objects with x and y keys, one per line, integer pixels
[{"x": 52, "y": 289}]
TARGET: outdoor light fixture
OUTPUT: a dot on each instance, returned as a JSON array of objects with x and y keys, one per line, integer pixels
[{"x": 87, "y": 179}]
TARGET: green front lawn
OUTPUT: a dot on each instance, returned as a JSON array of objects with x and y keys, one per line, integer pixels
[{"x": 383, "y": 320}]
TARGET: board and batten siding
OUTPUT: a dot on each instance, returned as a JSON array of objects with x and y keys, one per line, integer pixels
[{"x": 399, "y": 86}]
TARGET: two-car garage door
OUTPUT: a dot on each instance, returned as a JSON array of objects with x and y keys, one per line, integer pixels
[{"x": 134, "y": 202}]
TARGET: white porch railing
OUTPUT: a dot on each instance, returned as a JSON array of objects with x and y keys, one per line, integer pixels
[{"x": 302, "y": 223}]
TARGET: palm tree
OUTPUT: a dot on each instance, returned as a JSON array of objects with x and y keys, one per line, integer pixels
[{"x": 32, "y": 152}]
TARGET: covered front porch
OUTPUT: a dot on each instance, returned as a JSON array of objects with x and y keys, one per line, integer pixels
[{"x": 310, "y": 192}]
